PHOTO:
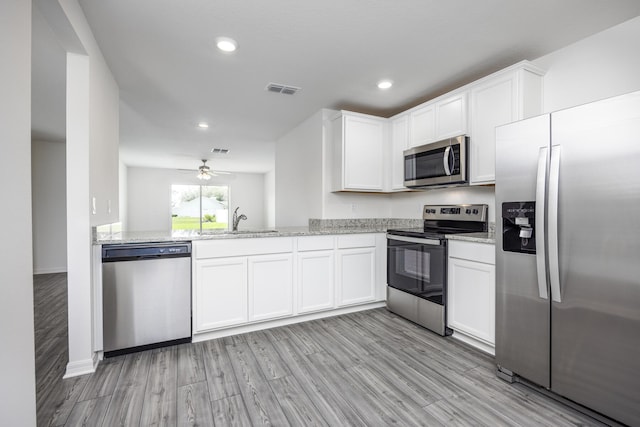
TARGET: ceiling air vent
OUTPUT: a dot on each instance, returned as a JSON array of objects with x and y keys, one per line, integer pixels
[
  {"x": 283, "y": 89},
  {"x": 220, "y": 150}
]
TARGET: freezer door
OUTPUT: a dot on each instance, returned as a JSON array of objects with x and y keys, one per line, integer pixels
[
  {"x": 522, "y": 304},
  {"x": 596, "y": 323}
]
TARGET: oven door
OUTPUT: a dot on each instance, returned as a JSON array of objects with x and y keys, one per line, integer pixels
[{"x": 417, "y": 266}]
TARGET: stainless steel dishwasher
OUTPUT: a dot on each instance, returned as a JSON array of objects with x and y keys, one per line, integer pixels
[{"x": 146, "y": 296}]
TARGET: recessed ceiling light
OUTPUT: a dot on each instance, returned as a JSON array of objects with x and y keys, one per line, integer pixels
[
  {"x": 226, "y": 44},
  {"x": 203, "y": 125},
  {"x": 385, "y": 84}
]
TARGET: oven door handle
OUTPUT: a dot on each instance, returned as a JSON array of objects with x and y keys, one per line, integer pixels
[
  {"x": 432, "y": 242},
  {"x": 445, "y": 161}
]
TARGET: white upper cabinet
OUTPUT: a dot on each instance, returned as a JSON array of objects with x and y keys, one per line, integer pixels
[
  {"x": 423, "y": 125},
  {"x": 367, "y": 150},
  {"x": 438, "y": 119},
  {"x": 451, "y": 116},
  {"x": 358, "y": 152},
  {"x": 399, "y": 143},
  {"x": 504, "y": 97}
]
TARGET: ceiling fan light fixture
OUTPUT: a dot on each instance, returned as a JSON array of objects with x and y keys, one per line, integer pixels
[
  {"x": 204, "y": 171},
  {"x": 204, "y": 175}
]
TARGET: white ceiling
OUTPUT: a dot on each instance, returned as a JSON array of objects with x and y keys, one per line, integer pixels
[{"x": 162, "y": 55}]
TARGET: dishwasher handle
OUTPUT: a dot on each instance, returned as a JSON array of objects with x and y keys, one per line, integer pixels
[{"x": 139, "y": 252}]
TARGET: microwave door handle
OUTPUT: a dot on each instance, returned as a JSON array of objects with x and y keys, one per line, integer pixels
[{"x": 445, "y": 161}]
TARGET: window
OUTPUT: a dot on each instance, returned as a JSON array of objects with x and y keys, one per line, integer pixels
[{"x": 199, "y": 207}]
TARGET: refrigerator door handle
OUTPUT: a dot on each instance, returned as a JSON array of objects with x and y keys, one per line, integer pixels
[
  {"x": 554, "y": 262},
  {"x": 445, "y": 161},
  {"x": 540, "y": 223}
]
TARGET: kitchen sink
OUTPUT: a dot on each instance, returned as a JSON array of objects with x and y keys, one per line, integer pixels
[
  {"x": 223, "y": 232},
  {"x": 251, "y": 231}
]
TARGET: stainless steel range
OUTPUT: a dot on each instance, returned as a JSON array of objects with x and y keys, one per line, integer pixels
[{"x": 417, "y": 263}]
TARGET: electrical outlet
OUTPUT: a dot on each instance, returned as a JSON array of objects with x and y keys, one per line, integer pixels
[{"x": 94, "y": 210}]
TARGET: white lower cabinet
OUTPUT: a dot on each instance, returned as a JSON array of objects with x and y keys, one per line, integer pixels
[
  {"x": 270, "y": 286},
  {"x": 356, "y": 276},
  {"x": 220, "y": 293},
  {"x": 239, "y": 282},
  {"x": 472, "y": 293},
  {"x": 315, "y": 281}
]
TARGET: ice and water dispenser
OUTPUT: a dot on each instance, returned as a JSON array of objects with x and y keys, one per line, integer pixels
[{"x": 518, "y": 227}]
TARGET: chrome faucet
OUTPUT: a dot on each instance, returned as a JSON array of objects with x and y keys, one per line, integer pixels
[{"x": 236, "y": 219}]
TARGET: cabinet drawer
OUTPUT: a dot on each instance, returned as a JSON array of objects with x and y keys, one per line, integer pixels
[
  {"x": 315, "y": 243},
  {"x": 356, "y": 241},
  {"x": 240, "y": 247},
  {"x": 480, "y": 252}
]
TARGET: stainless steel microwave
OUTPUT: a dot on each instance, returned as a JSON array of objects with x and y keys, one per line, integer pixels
[{"x": 440, "y": 164}]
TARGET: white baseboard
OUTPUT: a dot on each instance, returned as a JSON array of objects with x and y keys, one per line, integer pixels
[
  {"x": 205, "y": 336},
  {"x": 81, "y": 367},
  {"x": 475, "y": 342},
  {"x": 49, "y": 270}
]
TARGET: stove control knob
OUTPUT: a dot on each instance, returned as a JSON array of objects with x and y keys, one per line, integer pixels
[
  {"x": 475, "y": 211},
  {"x": 468, "y": 211}
]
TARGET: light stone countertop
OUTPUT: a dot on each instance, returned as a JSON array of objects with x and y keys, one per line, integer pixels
[
  {"x": 486, "y": 237},
  {"x": 192, "y": 235},
  {"x": 317, "y": 227}
]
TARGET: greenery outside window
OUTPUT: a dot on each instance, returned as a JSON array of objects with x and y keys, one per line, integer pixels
[{"x": 199, "y": 207}]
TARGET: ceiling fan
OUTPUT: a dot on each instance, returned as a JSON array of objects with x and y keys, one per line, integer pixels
[{"x": 205, "y": 172}]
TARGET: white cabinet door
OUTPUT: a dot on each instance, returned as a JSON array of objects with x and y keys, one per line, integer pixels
[
  {"x": 399, "y": 143},
  {"x": 315, "y": 281},
  {"x": 362, "y": 145},
  {"x": 439, "y": 119},
  {"x": 493, "y": 103},
  {"x": 220, "y": 293},
  {"x": 423, "y": 125},
  {"x": 496, "y": 100},
  {"x": 471, "y": 299},
  {"x": 356, "y": 276},
  {"x": 270, "y": 286},
  {"x": 451, "y": 116}
]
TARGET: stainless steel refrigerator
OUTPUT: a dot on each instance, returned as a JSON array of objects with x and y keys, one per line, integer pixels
[{"x": 568, "y": 254}]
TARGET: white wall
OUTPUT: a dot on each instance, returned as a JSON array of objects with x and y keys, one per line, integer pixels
[
  {"x": 49, "y": 198},
  {"x": 78, "y": 218},
  {"x": 409, "y": 205},
  {"x": 303, "y": 179},
  {"x": 603, "y": 65},
  {"x": 270, "y": 199},
  {"x": 149, "y": 196},
  {"x": 92, "y": 165},
  {"x": 122, "y": 195},
  {"x": 17, "y": 361},
  {"x": 298, "y": 173}
]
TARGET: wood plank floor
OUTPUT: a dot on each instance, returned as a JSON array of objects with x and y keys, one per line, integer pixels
[{"x": 364, "y": 369}]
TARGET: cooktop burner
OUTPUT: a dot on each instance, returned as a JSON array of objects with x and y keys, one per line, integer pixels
[{"x": 426, "y": 234}]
